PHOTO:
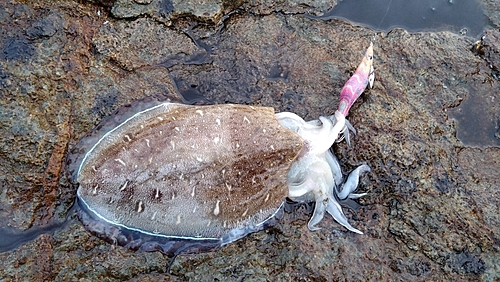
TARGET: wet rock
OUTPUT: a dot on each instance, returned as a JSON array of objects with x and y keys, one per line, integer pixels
[
  {"x": 490, "y": 8},
  {"x": 201, "y": 9},
  {"x": 480, "y": 99},
  {"x": 20, "y": 11},
  {"x": 130, "y": 8},
  {"x": 491, "y": 50},
  {"x": 163, "y": 10},
  {"x": 35, "y": 123},
  {"x": 105, "y": 3},
  {"x": 432, "y": 204},
  {"x": 17, "y": 48},
  {"x": 46, "y": 27},
  {"x": 147, "y": 43},
  {"x": 314, "y": 7},
  {"x": 465, "y": 263}
]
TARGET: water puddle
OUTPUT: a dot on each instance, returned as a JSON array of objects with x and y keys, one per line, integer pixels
[
  {"x": 12, "y": 238},
  {"x": 478, "y": 116},
  {"x": 465, "y": 16}
]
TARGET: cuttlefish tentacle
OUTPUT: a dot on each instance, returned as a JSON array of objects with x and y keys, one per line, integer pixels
[
  {"x": 352, "y": 183},
  {"x": 301, "y": 184},
  {"x": 335, "y": 210},
  {"x": 319, "y": 212},
  {"x": 319, "y": 170},
  {"x": 345, "y": 133},
  {"x": 334, "y": 167}
]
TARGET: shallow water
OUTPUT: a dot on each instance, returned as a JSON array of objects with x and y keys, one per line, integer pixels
[
  {"x": 414, "y": 16},
  {"x": 477, "y": 116},
  {"x": 12, "y": 238}
]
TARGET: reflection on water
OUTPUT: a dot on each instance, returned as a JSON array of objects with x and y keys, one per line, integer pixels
[{"x": 413, "y": 15}]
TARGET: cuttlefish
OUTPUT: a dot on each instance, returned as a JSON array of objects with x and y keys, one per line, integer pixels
[{"x": 182, "y": 178}]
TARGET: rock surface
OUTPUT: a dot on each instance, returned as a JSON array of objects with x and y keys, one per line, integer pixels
[{"x": 432, "y": 210}]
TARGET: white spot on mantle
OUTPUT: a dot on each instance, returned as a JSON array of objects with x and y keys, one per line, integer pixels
[
  {"x": 216, "y": 210},
  {"x": 140, "y": 207},
  {"x": 124, "y": 186},
  {"x": 120, "y": 161}
]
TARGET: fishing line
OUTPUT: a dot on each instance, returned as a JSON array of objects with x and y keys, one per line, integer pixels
[{"x": 386, "y": 11}]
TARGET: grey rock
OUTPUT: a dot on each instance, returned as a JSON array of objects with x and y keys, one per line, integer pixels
[
  {"x": 140, "y": 43},
  {"x": 432, "y": 205},
  {"x": 163, "y": 10}
]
